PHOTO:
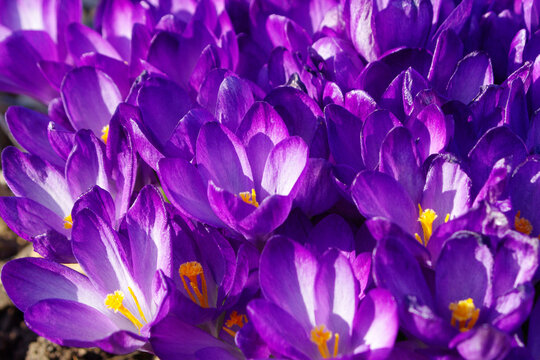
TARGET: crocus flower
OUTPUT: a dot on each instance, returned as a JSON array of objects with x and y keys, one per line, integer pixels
[
  {"x": 41, "y": 210},
  {"x": 115, "y": 303},
  {"x": 249, "y": 189},
  {"x": 477, "y": 293},
  {"x": 311, "y": 309}
]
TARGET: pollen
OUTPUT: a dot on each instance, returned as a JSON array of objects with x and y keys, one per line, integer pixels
[
  {"x": 320, "y": 337},
  {"x": 522, "y": 225},
  {"x": 235, "y": 319},
  {"x": 105, "y": 133},
  {"x": 68, "y": 222},
  {"x": 426, "y": 219},
  {"x": 192, "y": 270},
  {"x": 115, "y": 302},
  {"x": 465, "y": 313},
  {"x": 250, "y": 198}
]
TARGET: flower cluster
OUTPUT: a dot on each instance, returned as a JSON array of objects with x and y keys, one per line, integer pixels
[{"x": 247, "y": 179}]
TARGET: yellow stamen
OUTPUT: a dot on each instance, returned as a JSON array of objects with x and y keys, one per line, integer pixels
[
  {"x": 426, "y": 218},
  {"x": 463, "y": 311},
  {"x": 115, "y": 302},
  {"x": 105, "y": 133},
  {"x": 68, "y": 222},
  {"x": 320, "y": 337},
  {"x": 250, "y": 198},
  {"x": 447, "y": 218},
  {"x": 522, "y": 225},
  {"x": 137, "y": 303},
  {"x": 192, "y": 270},
  {"x": 235, "y": 319}
]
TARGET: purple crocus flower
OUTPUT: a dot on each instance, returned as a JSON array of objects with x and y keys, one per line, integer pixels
[
  {"x": 115, "y": 304},
  {"x": 400, "y": 194},
  {"x": 41, "y": 210},
  {"x": 247, "y": 188},
  {"x": 472, "y": 294},
  {"x": 311, "y": 307}
]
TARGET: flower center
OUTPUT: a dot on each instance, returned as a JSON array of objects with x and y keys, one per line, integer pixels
[
  {"x": 426, "y": 219},
  {"x": 320, "y": 337},
  {"x": 250, "y": 198},
  {"x": 105, "y": 133},
  {"x": 235, "y": 319},
  {"x": 68, "y": 222},
  {"x": 192, "y": 270},
  {"x": 115, "y": 302},
  {"x": 522, "y": 225},
  {"x": 463, "y": 311}
]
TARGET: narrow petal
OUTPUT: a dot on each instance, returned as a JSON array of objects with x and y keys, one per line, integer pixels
[
  {"x": 287, "y": 277},
  {"x": 90, "y": 98},
  {"x": 378, "y": 194}
]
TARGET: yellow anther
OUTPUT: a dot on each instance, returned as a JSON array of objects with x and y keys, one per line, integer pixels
[
  {"x": 522, "y": 225},
  {"x": 68, "y": 222},
  {"x": 426, "y": 219},
  {"x": 250, "y": 198},
  {"x": 235, "y": 319},
  {"x": 105, "y": 133},
  {"x": 447, "y": 217},
  {"x": 320, "y": 337},
  {"x": 192, "y": 270},
  {"x": 115, "y": 302},
  {"x": 463, "y": 311}
]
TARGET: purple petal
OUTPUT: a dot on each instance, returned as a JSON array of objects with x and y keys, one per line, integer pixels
[
  {"x": 344, "y": 136},
  {"x": 283, "y": 259},
  {"x": 448, "y": 51},
  {"x": 162, "y": 104},
  {"x": 222, "y": 159},
  {"x": 233, "y": 101},
  {"x": 29, "y": 128},
  {"x": 28, "y": 218},
  {"x": 360, "y": 103},
  {"x": 30, "y": 280},
  {"x": 463, "y": 271},
  {"x": 377, "y": 324},
  {"x": 86, "y": 166},
  {"x": 447, "y": 190},
  {"x": 262, "y": 118},
  {"x": 332, "y": 232},
  {"x": 495, "y": 144},
  {"x": 285, "y": 166},
  {"x": 29, "y": 176},
  {"x": 432, "y": 129},
  {"x": 82, "y": 39},
  {"x": 377, "y": 125},
  {"x": 377, "y": 194},
  {"x": 485, "y": 342},
  {"x": 186, "y": 189},
  {"x": 399, "y": 160},
  {"x": 70, "y": 323},
  {"x": 90, "y": 98},
  {"x": 297, "y": 109},
  {"x": 283, "y": 334},
  {"x": 472, "y": 73},
  {"x": 336, "y": 293}
]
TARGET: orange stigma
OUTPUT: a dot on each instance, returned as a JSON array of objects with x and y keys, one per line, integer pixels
[
  {"x": 250, "y": 198},
  {"x": 192, "y": 270},
  {"x": 235, "y": 319},
  {"x": 522, "y": 225},
  {"x": 463, "y": 311},
  {"x": 320, "y": 337}
]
